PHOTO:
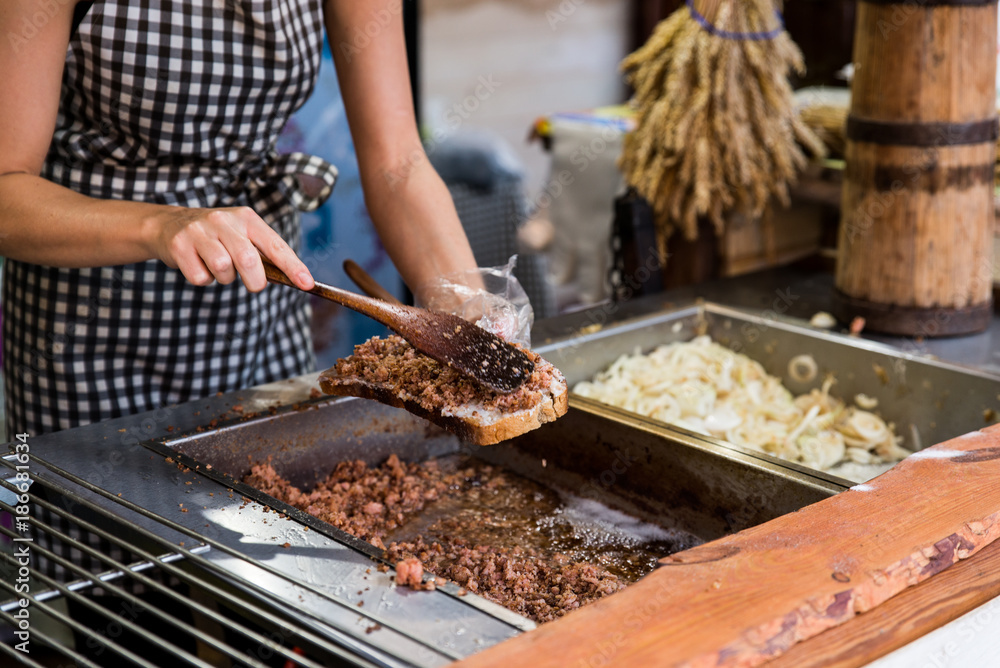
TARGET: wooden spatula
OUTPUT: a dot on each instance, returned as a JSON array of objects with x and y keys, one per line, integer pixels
[
  {"x": 481, "y": 355},
  {"x": 368, "y": 285}
]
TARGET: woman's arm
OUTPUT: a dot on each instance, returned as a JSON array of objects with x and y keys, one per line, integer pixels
[
  {"x": 44, "y": 223},
  {"x": 409, "y": 203}
]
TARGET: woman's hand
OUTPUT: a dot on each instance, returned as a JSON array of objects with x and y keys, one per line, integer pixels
[
  {"x": 45, "y": 223},
  {"x": 218, "y": 244}
]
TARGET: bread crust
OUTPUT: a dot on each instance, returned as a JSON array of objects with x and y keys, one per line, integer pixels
[{"x": 469, "y": 429}]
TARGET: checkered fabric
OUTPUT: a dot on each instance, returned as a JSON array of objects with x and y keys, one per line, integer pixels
[{"x": 175, "y": 102}]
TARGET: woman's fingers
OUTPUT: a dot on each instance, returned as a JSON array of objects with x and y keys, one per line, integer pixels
[
  {"x": 217, "y": 257},
  {"x": 243, "y": 254},
  {"x": 191, "y": 265},
  {"x": 221, "y": 243},
  {"x": 280, "y": 253}
]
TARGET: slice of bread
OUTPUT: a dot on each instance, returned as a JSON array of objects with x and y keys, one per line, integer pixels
[{"x": 390, "y": 371}]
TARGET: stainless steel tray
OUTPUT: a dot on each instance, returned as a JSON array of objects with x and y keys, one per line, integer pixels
[
  {"x": 929, "y": 401},
  {"x": 676, "y": 480},
  {"x": 671, "y": 479}
]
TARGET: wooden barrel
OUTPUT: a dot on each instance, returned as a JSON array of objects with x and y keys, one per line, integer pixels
[{"x": 916, "y": 235}]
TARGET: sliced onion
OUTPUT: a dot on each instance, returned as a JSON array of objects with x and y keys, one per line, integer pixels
[
  {"x": 823, "y": 320},
  {"x": 826, "y": 449},
  {"x": 708, "y": 388},
  {"x": 868, "y": 426},
  {"x": 865, "y": 402},
  {"x": 722, "y": 420},
  {"x": 860, "y": 456},
  {"x": 802, "y": 368},
  {"x": 809, "y": 417}
]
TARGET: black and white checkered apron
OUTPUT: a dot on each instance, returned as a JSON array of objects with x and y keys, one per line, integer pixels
[{"x": 176, "y": 102}]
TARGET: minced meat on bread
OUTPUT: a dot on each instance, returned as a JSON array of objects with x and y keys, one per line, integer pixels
[{"x": 390, "y": 370}]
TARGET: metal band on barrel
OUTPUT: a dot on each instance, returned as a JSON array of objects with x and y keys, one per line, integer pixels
[
  {"x": 913, "y": 321},
  {"x": 927, "y": 177},
  {"x": 922, "y": 134}
]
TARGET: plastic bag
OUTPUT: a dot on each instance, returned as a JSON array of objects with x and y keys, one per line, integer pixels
[{"x": 501, "y": 306}]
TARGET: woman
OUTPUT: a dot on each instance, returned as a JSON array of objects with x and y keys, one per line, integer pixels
[{"x": 138, "y": 181}]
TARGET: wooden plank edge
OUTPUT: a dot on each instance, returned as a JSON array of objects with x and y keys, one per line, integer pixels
[
  {"x": 774, "y": 637},
  {"x": 902, "y": 619}
]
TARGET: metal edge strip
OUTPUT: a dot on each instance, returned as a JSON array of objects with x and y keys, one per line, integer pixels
[
  {"x": 597, "y": 329},
  {"x": 801, "y": 327},
  {"x": 784, "y": 323}
]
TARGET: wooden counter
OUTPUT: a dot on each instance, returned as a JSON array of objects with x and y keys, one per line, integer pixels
[{"x": 850, "y": 566}]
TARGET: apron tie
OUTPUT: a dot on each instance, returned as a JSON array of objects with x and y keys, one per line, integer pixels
[{"x": 305, "y": 179}]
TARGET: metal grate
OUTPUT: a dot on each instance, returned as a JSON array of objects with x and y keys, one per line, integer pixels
[{"x": 222, "y": 612}]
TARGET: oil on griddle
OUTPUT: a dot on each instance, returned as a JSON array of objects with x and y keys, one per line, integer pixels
[{"x": 533, "y": 550}]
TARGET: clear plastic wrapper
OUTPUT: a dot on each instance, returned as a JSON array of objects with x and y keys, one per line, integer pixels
[{"x": 500, "y": 306}]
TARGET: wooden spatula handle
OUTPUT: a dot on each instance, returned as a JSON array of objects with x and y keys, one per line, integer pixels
[
  {"x": 387, "y": 314},
  {"x": 447, "y": 338},
  {"x": 275, "y": 275},
  {"x": 368, "y": 284}
]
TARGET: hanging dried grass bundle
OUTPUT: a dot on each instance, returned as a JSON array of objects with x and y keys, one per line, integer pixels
[
  {"x": 829, "y": 122},
  {"x": 716, "y": 130}
]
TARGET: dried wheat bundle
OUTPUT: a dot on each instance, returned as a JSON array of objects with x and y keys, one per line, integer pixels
[
  {"x": 829, "y": 122},
  {"x": 716, "y": 130}
]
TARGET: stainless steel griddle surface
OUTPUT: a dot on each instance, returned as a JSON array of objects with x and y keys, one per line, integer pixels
[{"x": 690, "y": 481}]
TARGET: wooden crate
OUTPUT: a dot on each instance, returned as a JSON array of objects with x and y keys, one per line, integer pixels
[{"x": 780, "y": 237}]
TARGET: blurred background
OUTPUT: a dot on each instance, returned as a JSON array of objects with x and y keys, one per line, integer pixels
[
  {"x": 523, "y": 106},
  {"x": 520, "y": 107}
]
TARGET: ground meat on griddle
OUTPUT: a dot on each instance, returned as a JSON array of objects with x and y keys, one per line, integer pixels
[
  {"x": 371, "y": 502},
  {"x": 363, "y": 502},
  {"x": 409, "y": 572},
  {"x": 540, "y": 587},
  {"x": 434, "y": 385}
]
